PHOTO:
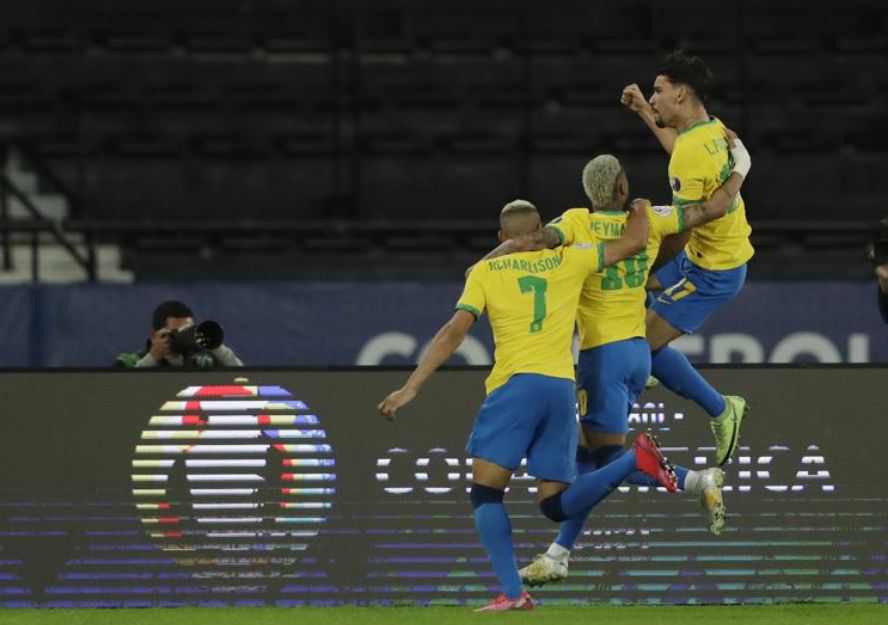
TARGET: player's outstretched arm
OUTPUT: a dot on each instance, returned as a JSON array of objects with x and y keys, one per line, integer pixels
[
  {"x": 633, "y": 99},
  {"x": 722, "y": 198},
  {"x": 539, "y": 240},
  {"x": 634, "y": 238},
  {"x": 544, "y": 238},
  {"x": 446, "y": 342}
]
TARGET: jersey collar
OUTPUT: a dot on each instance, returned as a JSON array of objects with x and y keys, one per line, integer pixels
[{"x": 711, "y": 120}]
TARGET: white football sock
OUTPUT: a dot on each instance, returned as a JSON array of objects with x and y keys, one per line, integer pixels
[
  {"x": 693, "y": 483},
  {"x": 557, "y": 552}
]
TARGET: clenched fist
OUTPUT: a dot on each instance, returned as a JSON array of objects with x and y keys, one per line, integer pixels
[{"x": 633, "y": 99}]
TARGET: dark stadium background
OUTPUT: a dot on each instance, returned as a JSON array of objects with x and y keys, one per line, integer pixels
[
  {"x": 220, "y": 139},
  {"x": 279, "y": 156}
]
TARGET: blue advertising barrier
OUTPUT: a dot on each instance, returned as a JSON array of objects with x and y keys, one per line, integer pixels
[{"x": 390, "y": 323}]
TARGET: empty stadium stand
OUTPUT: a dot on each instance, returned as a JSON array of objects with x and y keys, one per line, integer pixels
[{"x": 362, "y": 112}]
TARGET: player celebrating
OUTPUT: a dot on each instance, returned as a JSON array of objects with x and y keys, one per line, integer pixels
[
  {"x": 614, "y": 360},
  {"x": 711, "y": 269},
  {"x": 531, "y": 298}
]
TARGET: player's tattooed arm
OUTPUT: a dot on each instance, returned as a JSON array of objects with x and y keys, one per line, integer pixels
[
  {"x": 724, "y": 197},
  {"x": 541, "y": 239},
  {"x": 715, "y": 207},
  {"x": 544, "y": 238},
  {"x": 634, "y": 238}
]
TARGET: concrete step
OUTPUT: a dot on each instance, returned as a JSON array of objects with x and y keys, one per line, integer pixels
[
  {"x": 21, "y": 175},
  {"x": 55, "y": 265},
  {"x": 26, "y": 181},
  {"x": 51, "y": 205},
  {"x": 54, "y": 207}
]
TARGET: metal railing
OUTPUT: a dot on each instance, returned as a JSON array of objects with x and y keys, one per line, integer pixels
[
  {"x": 332, "y": 237},
  {"x": 78, "y": 236},
  {"x": 38, "y": 223}
]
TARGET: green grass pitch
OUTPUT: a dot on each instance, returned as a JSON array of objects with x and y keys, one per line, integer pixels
[{"x": 806, "y": 614}]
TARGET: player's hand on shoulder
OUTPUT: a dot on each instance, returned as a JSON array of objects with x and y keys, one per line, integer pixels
[
  {"x": 637, "y": 223},
  {"x": 633, "y": 99},
  {"x": 389, "y": 406},
  {"x": 731, "y": 136},
  {"x": 742, "y": 159},
  {"x": 638, "y": 211}
]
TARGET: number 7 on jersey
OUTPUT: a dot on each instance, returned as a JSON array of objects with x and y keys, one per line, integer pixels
[{"x": 537, "y": 286}]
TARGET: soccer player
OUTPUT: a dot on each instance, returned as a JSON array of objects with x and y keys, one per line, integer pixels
[
  {"x": 882, "y": 275},
  {"x": 614, "y": 360},
  {"x": 711, "y": 269},
  {"x": 529, "y": 411},
  {"x": 878, "y": 255}
]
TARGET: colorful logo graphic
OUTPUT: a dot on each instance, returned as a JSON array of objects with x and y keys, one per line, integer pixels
[{"x": 242, "y": 470}]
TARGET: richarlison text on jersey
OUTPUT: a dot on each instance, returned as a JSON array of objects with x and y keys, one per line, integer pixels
[{"x": 516, "y": 264}]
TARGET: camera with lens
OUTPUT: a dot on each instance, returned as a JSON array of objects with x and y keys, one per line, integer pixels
[{"x": 206, "y": 335}]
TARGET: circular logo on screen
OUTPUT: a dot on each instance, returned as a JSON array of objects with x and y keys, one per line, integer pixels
[{"x": 238, "y": 468}]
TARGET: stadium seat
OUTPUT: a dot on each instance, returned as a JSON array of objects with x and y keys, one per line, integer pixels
[{"x": 369, "y": 110}]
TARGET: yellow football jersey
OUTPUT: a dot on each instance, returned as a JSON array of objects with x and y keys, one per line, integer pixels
[
  {"x": 611, "y": 306},
  {"x": 531, "y": 300},
  {"x": 700, "y": 163}
]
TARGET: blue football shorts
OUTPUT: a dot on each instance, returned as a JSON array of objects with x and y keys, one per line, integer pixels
[
  {"x": 609, "y": 379},
  {"x": 531, "y": 416},
  {"x": 691, "y": 294}
]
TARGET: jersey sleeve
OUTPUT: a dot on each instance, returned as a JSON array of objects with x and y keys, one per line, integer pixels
[
  {"x": 568, "y": 225},
  {"x": 665, "y": 220},
  {"x": 587, "y": 258},
  {"x": 473, "y": 298}
]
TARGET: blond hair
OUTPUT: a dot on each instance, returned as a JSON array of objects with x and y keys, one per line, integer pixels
[
  {"x": 600, "y": 176},
  {"x": 518, "y": 207}
]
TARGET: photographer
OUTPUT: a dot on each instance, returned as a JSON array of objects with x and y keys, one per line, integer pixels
[
  {"x": 175, "y": 341},
  {"x": 879, "y": 257}
]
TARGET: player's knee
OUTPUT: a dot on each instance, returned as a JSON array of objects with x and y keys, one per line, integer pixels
[
  {"x": 584, "y": 455},
  {"x": 658, "y": 331},
  {"x": 551, "y": 507},
  {"x": 606, "y": 454},
  {"x": 656, "y": 341},
  {"x": 481, "y": 495}
]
